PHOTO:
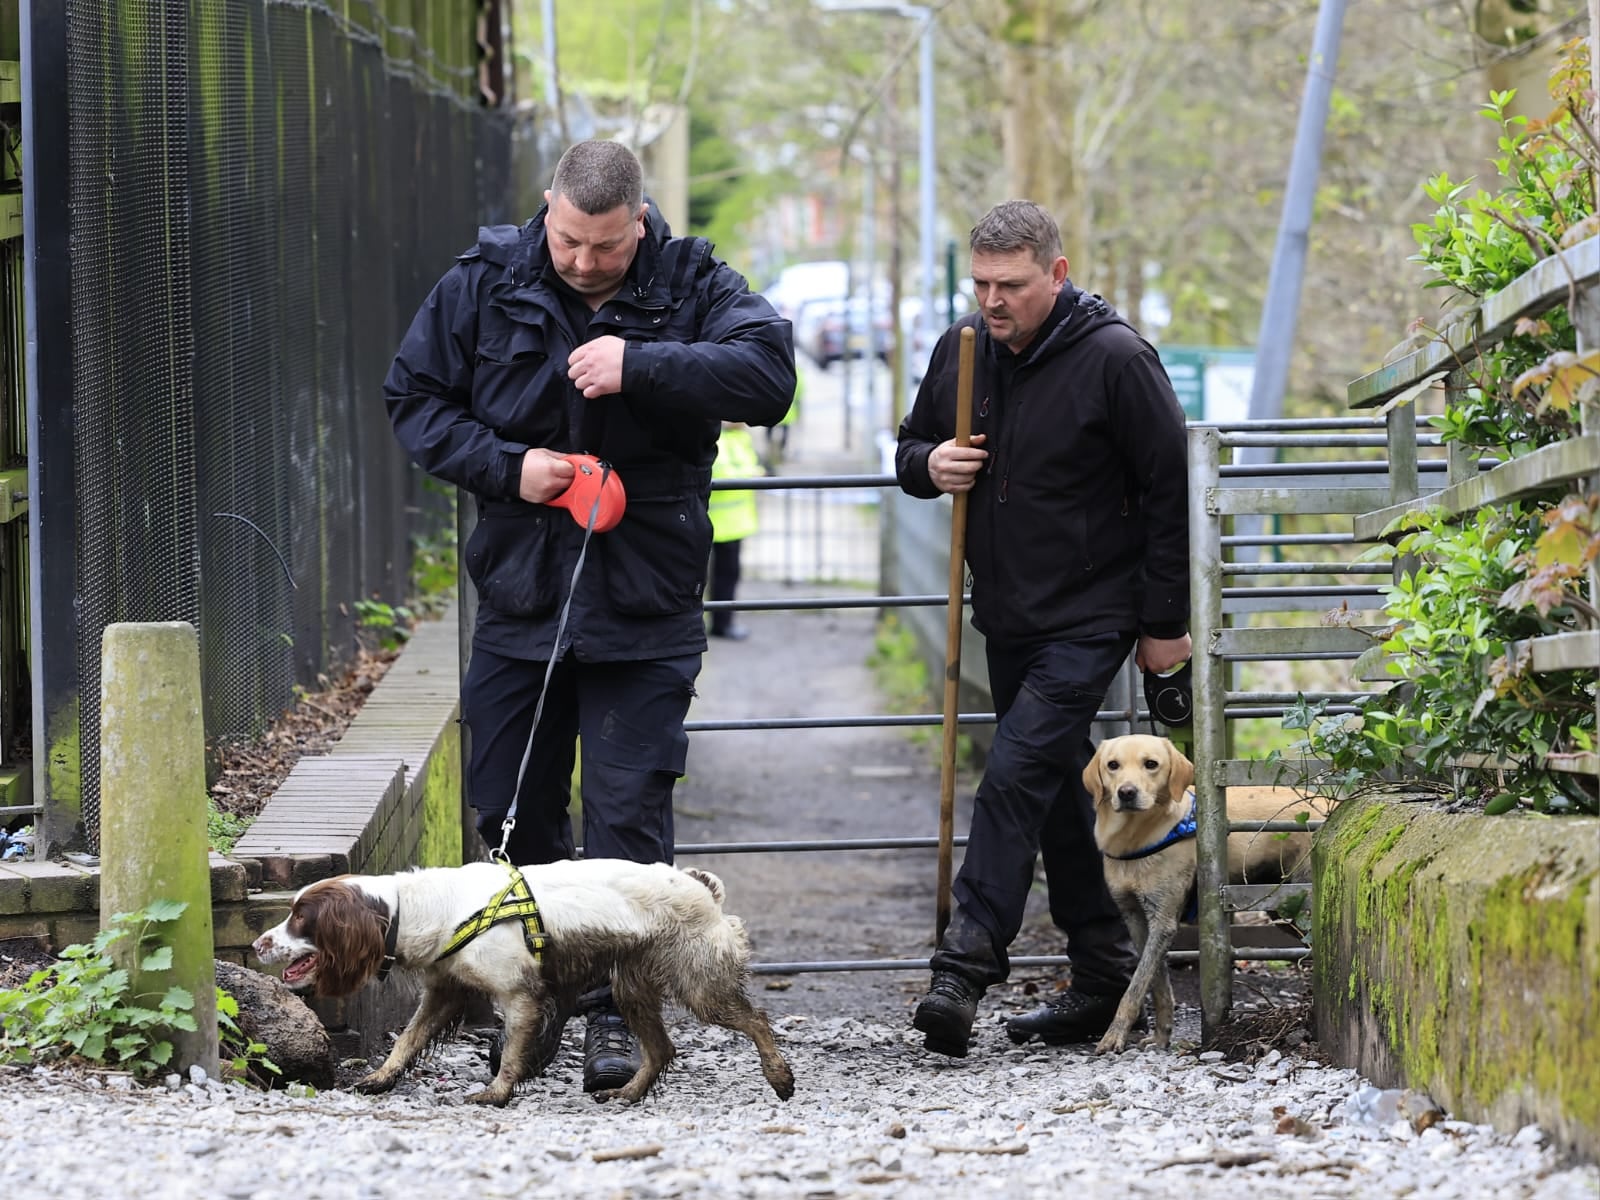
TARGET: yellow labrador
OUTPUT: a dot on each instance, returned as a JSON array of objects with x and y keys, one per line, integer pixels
[{"x": 1144, "y": 826}]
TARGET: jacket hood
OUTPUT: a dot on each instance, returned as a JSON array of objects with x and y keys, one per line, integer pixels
[{"x": 1077, "y": 314}]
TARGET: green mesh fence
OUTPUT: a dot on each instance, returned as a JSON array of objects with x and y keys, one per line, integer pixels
[{"x": 261, "y": 193}]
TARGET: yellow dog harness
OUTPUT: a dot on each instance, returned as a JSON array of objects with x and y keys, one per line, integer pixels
[{"x": 514, "y": 902}]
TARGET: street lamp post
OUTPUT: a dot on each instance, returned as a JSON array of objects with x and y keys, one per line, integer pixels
[{"x": 926, "y": 163}]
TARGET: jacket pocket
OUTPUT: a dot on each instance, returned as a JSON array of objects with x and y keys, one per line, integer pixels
[
  {"x": 656, "y": 557},
  {"x": 508, "y": 341},
  {"x": 511, "y": 562}
]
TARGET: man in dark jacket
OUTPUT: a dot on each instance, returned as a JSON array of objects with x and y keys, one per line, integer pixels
[
  {"x": 589, "y": 329},
  {"x": 1077, "y": 545}
]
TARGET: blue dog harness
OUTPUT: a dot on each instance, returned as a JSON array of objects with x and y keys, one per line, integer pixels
[{"x": 1183, "y": 830}]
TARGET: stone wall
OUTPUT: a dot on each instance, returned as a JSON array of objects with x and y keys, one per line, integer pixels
[{"x": 1461, "y": 954}]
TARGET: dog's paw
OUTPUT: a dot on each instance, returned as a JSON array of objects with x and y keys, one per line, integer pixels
[
  {"x": 1113, "y": 1042},
  {"x": 493, "y": 1096},
  {"x": 375, "y": 1084}
]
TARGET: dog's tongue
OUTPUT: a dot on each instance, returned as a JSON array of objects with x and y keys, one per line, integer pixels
[{"x": 299, "y": 968}]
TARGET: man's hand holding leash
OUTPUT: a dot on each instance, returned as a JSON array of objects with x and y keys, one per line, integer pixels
[
  {"x": 1160, "y": 655},
  {"x": 545, "y": 475}
]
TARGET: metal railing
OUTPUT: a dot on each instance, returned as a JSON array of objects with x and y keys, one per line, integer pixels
[{"x": 1360, "y": 480}]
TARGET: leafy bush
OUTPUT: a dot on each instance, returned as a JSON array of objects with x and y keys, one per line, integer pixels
[
  {"x": 1484, "y": 586},
  {"x": 80, "y": 1006},
  {"x": 223, "y": 828},
  {"x": 80, "y": 1009},
  {"x": 389, "y": 624},
  {"x": 1479, "y": 240}
]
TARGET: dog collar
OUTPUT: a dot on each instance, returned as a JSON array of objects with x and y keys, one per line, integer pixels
[
  {"x": 391, "y": 937},
  {"x": 514, "y": 902},
  {"x": 1183, "y": 830}
]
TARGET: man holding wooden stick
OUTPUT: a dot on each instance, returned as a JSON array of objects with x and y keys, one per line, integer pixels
[{"x": 1077, "y": 546}]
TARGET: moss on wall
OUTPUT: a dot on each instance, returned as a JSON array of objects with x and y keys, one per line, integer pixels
[
  {"x": 1461, "y": 954},
  {"x": 440, "y": 842}
]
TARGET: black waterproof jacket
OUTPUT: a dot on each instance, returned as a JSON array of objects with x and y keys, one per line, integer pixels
[
  {"x": 481, "y": 377},
  {"x": 1079, "y": 522}
]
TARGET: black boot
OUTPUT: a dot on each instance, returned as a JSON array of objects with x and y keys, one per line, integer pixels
[
  {"x": 1071, "y": 1017},
  {"x": 946, "y": 1013},
  {"x": 610, "y": 1052}
]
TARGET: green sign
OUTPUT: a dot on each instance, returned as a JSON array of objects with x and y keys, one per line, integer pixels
[{"x": 1212, "y": 382}]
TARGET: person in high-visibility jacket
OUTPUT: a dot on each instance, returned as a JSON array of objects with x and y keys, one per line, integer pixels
[
  {"x": 778, "y": 435},
  {"x": 733, "y": 518}
]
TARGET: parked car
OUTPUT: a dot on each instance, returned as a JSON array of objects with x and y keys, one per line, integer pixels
[
  {"x": 806, "y": 282},
  {"x": 848, "y": 328}
]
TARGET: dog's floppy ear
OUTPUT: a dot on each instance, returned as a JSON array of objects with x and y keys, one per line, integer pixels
[
  {"x": 1181, "y": 778},
  {"x": 1091, "y": 775},
  {"x": 347, "y": 927}
]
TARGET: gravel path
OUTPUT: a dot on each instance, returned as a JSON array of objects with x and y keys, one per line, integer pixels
[{"x": 873, "y": 1116}]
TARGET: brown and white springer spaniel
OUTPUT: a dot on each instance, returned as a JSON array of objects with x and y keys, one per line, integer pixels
[{"x": 659, "y": 933}]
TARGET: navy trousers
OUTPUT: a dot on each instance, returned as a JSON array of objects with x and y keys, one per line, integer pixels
[
  {"x": 1032, "y": 798},
  {"x": 628, "y": 718}
]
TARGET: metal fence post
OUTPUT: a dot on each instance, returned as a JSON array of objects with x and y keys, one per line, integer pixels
[{"x": 1210, "y": 676}]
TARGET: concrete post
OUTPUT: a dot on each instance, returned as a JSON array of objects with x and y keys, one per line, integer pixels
[{"x": 153, "y": 843}]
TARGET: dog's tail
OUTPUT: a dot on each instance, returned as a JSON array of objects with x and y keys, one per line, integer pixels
[{"x": 713, "y": 884}]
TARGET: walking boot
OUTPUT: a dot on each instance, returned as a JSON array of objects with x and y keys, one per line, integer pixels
[
  {"x": 946, "y": 1013},
  {"x": 610, "y": 1053},
  {"x": 1073, "y": 1016}
]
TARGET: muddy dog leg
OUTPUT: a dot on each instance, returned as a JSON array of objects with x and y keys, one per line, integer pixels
[
  {"x": 640, "y": 1007},
  {"x": 441, "y": 1007},
  {"x": 735, "y": 1012},
  {"x": 1161, "y": 995},
  {"x": 1152, "y": 933},
  {"x": 524, "y": 1013}
]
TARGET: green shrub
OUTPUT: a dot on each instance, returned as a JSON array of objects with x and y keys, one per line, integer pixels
[{"x": 80, "y": 1007}]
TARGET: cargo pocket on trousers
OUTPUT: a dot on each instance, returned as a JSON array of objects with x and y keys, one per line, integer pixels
[
  {"x": 508, "y": 559},
  {"x": 656, "y": 558}
]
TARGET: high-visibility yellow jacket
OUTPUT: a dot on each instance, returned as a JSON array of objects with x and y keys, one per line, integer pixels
[
  {"x": 733, "y": 514},
  {"x": 790, "y": 417}
]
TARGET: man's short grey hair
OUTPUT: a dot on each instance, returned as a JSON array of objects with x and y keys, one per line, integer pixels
[
  {"x": 1018, "y": 225},
  {"x": 598, "y": 176}
]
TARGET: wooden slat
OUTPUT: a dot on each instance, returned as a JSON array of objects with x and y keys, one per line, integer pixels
[
  {"x": 1576, "y": 651},
  {"x": 1301, "y": 639},
  {"x": 1251, "y": 772},
  {"x": 1546, "y": 283},
  {"x": 1249, "y": 897},
  {"x": 1547, "y": 467},
  {"x": 1312, "y": 501},
  {"x": 1585, "y": 762}
]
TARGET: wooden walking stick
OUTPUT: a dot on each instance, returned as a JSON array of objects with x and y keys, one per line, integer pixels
[{"x": 952, "y": 645}]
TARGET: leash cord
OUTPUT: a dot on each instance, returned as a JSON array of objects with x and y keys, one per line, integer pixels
[{"x": 510, "y": 822}]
